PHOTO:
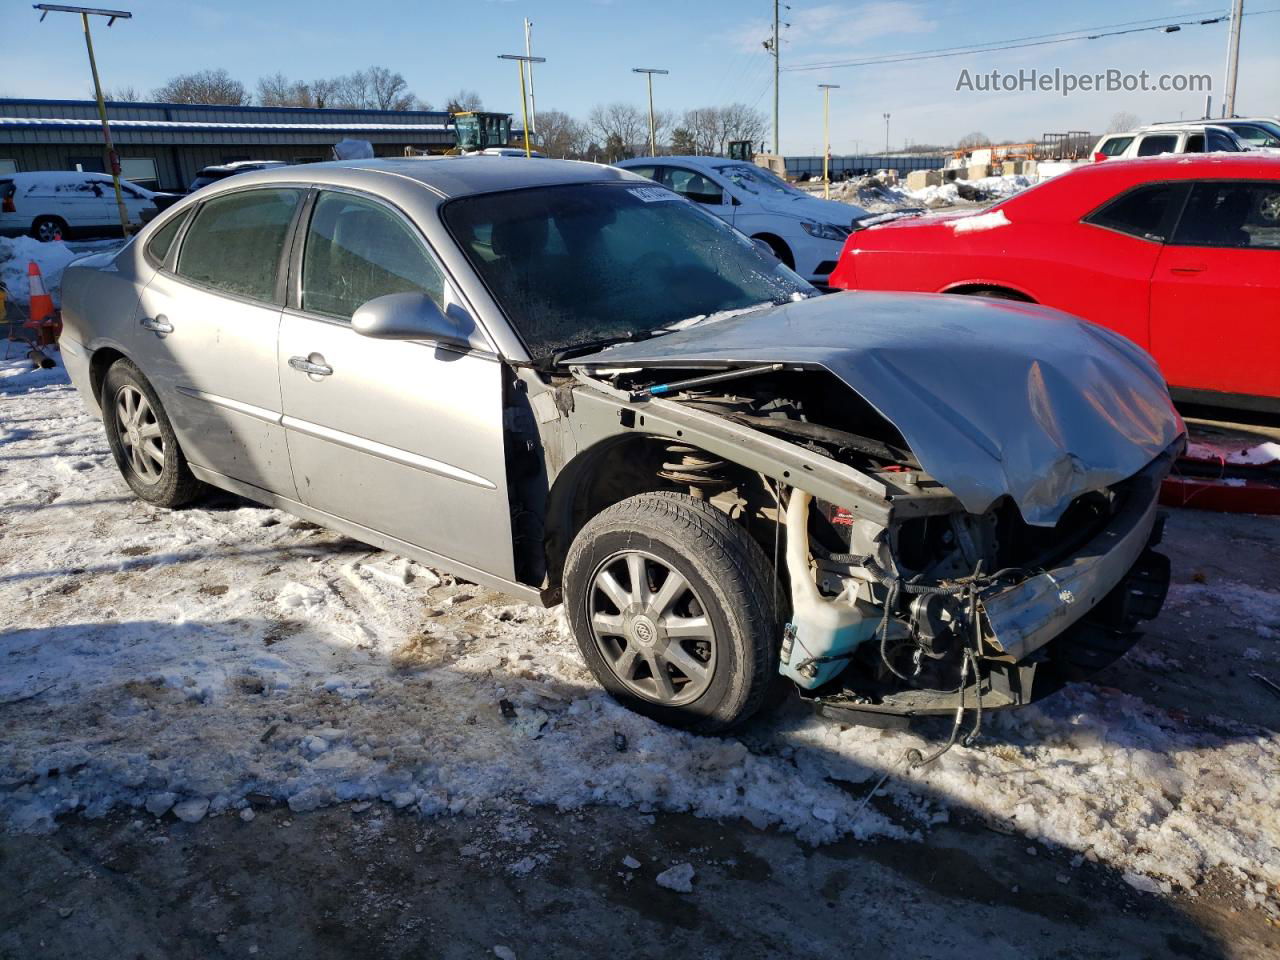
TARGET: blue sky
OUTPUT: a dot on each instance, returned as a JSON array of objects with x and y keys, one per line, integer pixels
[{"x": 712, "y": 49}]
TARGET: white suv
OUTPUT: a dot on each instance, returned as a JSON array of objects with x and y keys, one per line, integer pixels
[
  {"x": 55, "y": 202},
  {"x": 1167, "y": 138}
]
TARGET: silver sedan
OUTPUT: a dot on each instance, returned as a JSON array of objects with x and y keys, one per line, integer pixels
[{"x": 567, "y": 382}]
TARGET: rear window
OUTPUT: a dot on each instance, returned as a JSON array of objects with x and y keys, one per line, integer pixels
[
  {"x": 235, "y": 242},
  {"x": 1115, "y": 146},
  {"x": 1164, "y": 143}
]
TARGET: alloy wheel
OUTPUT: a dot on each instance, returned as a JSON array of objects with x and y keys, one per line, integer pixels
[
  {"x": 139, "y": 433},
  {"x": 651, "y": 628}
]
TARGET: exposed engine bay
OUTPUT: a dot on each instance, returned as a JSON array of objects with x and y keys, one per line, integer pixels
[{"x": 930, "y": 608}]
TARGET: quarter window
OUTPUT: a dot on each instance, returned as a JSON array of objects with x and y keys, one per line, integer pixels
[
  {"x": 235, "y": 242},
  {"x": 1164, "y": 143},
  {"x": 1140, "y": 212},
  {"x": 358, "y": 250},
  {"x": 1115, "y": 146},
  {"x": 1226, "y": 214},
  {"x": 160, "y": 243}
]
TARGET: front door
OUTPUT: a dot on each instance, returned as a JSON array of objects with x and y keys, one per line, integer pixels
[
  {"x": 1215, "y": 294},
  {"x": 207, "y": 331},
  {"x": 402, "y": 437}
]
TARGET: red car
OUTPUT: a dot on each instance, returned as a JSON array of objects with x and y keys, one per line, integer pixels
[{"x": 1179, "y": 253}]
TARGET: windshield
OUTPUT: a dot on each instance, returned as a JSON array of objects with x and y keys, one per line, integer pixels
[
  {"x": 575, "y": 264},
  {"x": 758, "y": 180}
]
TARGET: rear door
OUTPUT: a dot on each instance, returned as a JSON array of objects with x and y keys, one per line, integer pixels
[
  {"x": 700, "y": 188},
  {"x": 402, "y": 437},
  {"x": 1215, "y": 295},
  {"x": 207, "y": 330}
]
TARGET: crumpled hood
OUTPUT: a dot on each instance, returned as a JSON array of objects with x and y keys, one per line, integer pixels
[{"x": 993, "y": 397}]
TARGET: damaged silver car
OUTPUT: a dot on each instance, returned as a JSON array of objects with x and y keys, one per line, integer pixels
[{"x": 566, "y": 382}]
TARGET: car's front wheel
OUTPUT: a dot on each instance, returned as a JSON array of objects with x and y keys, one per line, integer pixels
[
  {"x": 48, "y": 229},
  {"x": 672, "y": 605},
  {"x": 142, "y": 439}
]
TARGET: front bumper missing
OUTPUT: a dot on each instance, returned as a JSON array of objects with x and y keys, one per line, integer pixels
[
  {"x": 1023, "y": 618},
  {"x": 1035, "y": 639}
]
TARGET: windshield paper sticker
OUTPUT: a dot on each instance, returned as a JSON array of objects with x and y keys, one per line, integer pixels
[{"x": 652, "y": 194}]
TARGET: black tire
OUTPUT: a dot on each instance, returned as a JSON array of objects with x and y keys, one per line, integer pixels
[
  {"x": 780, "y": 250},
  {"x": 172, "y": 484},
  {"x": 992, "y": 293},
  {"x": 731, "y": 582},
  {"x": 43, "y": 228}
]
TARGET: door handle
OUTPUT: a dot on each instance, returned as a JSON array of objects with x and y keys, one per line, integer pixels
[
  {"x": 315, "y": 368},
  {"x": 1189, "y": 268},
  {"x": 159, "y": 324}
]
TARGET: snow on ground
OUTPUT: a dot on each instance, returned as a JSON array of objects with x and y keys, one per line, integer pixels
[
  {"x": 16, "y": 253},
  {"x": 200, "y": 660},
  {"x": 869, "y": 193}
]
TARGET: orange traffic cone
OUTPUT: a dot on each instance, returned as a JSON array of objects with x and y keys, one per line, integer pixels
[{"x": 41, "y": 308}]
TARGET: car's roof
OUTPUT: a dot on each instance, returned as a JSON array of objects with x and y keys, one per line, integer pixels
[
  {"x": 1184, "y": 166},
  {"x": 1220, "y": 121},
  {"x": 1196, "y": 125},
  {"x": 450, "y": 177}
]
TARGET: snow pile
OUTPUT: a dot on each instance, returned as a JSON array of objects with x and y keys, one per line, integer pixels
[
  {"x": 18, "y": 252},
  {"x": 979, "y": 222},
  {"x": 199, "y": 661},
  {"x": 878, "y": 197}
]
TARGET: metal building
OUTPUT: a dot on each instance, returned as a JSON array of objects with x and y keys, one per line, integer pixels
[{"x": 163, "y": 145}]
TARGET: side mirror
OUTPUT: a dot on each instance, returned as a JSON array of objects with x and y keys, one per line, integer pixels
[{"x": 412, "y": 316}]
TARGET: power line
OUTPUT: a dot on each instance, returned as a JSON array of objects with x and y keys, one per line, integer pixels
[{"x": 1095, "y": 33}]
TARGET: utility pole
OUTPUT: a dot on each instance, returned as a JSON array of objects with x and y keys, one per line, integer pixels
[
  {"x": 777, "y": 68},
  {"x": 113, "y": 161},
  {"x": 524, "y": 100},
  {"x": 886, "y": 134},
  {"x": 533, "y": 103},
  {"x": 1233, "y": 59},
  {"x": 826, "y": 89},
  {"x": 653, "y": 129}
]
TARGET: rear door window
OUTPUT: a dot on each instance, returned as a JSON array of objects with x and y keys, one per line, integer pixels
[
  {"x": 236, "y": 241},
  {"x": 1158, "y": 143},
  {"x": 1144, "y": 212},
  {"x": 358, "y": 250},
  {"x": 1237, "y": 214},
  {"x": 1115, "y": 146},
  {"x": 1195, "y": 143},
  {"x": 692, "y": 185}
]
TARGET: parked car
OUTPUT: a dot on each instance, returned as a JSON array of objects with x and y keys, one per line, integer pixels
[
  {"x": 220, "y": 171},
  {"x": 1256, "y": 133},
  {"x": 804, "y": 232},
  {"x": 1179, "y": 254},
  {"x": 52, "y": 203},
  {"x": 1153, "y": 141},
  {"x": 566, "y": 382}
]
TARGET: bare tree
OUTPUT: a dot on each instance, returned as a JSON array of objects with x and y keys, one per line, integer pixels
[
  {"x": 323, "y": 91},
  {"x": 621, "y": 127},
  {"x": 740, "y": 122},
  {"x": 203, "y": 86},
  {"x": 390, "y": 90},
  {"x": 559, "y": 135},
  {"x": 973, "y": 140},
  {"x": 278, "y": 90},
  {"x": 464, "y": 101},
  {"x": 123, "y": 94},
  {"x": 1122, "y": 121},
  {"x": 702, "y": 125}
]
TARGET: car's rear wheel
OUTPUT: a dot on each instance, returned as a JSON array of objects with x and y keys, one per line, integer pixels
[
  {"x": 142, "y": 439},
  {"x": 672, "y": 605},
  {"x": 48, "y": 229}
]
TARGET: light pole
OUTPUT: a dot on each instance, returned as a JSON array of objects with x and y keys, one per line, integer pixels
[
  {"x": 826, "y": 89},
  {"x": 113, "y": 161},
  {"x": 533, "y": 100},
  {"x": 1233, "y": 59},
  {"x": 886, "y": 134},
  {"x": 653, "y": 130},
  {"x": 522, "y": 59}
]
